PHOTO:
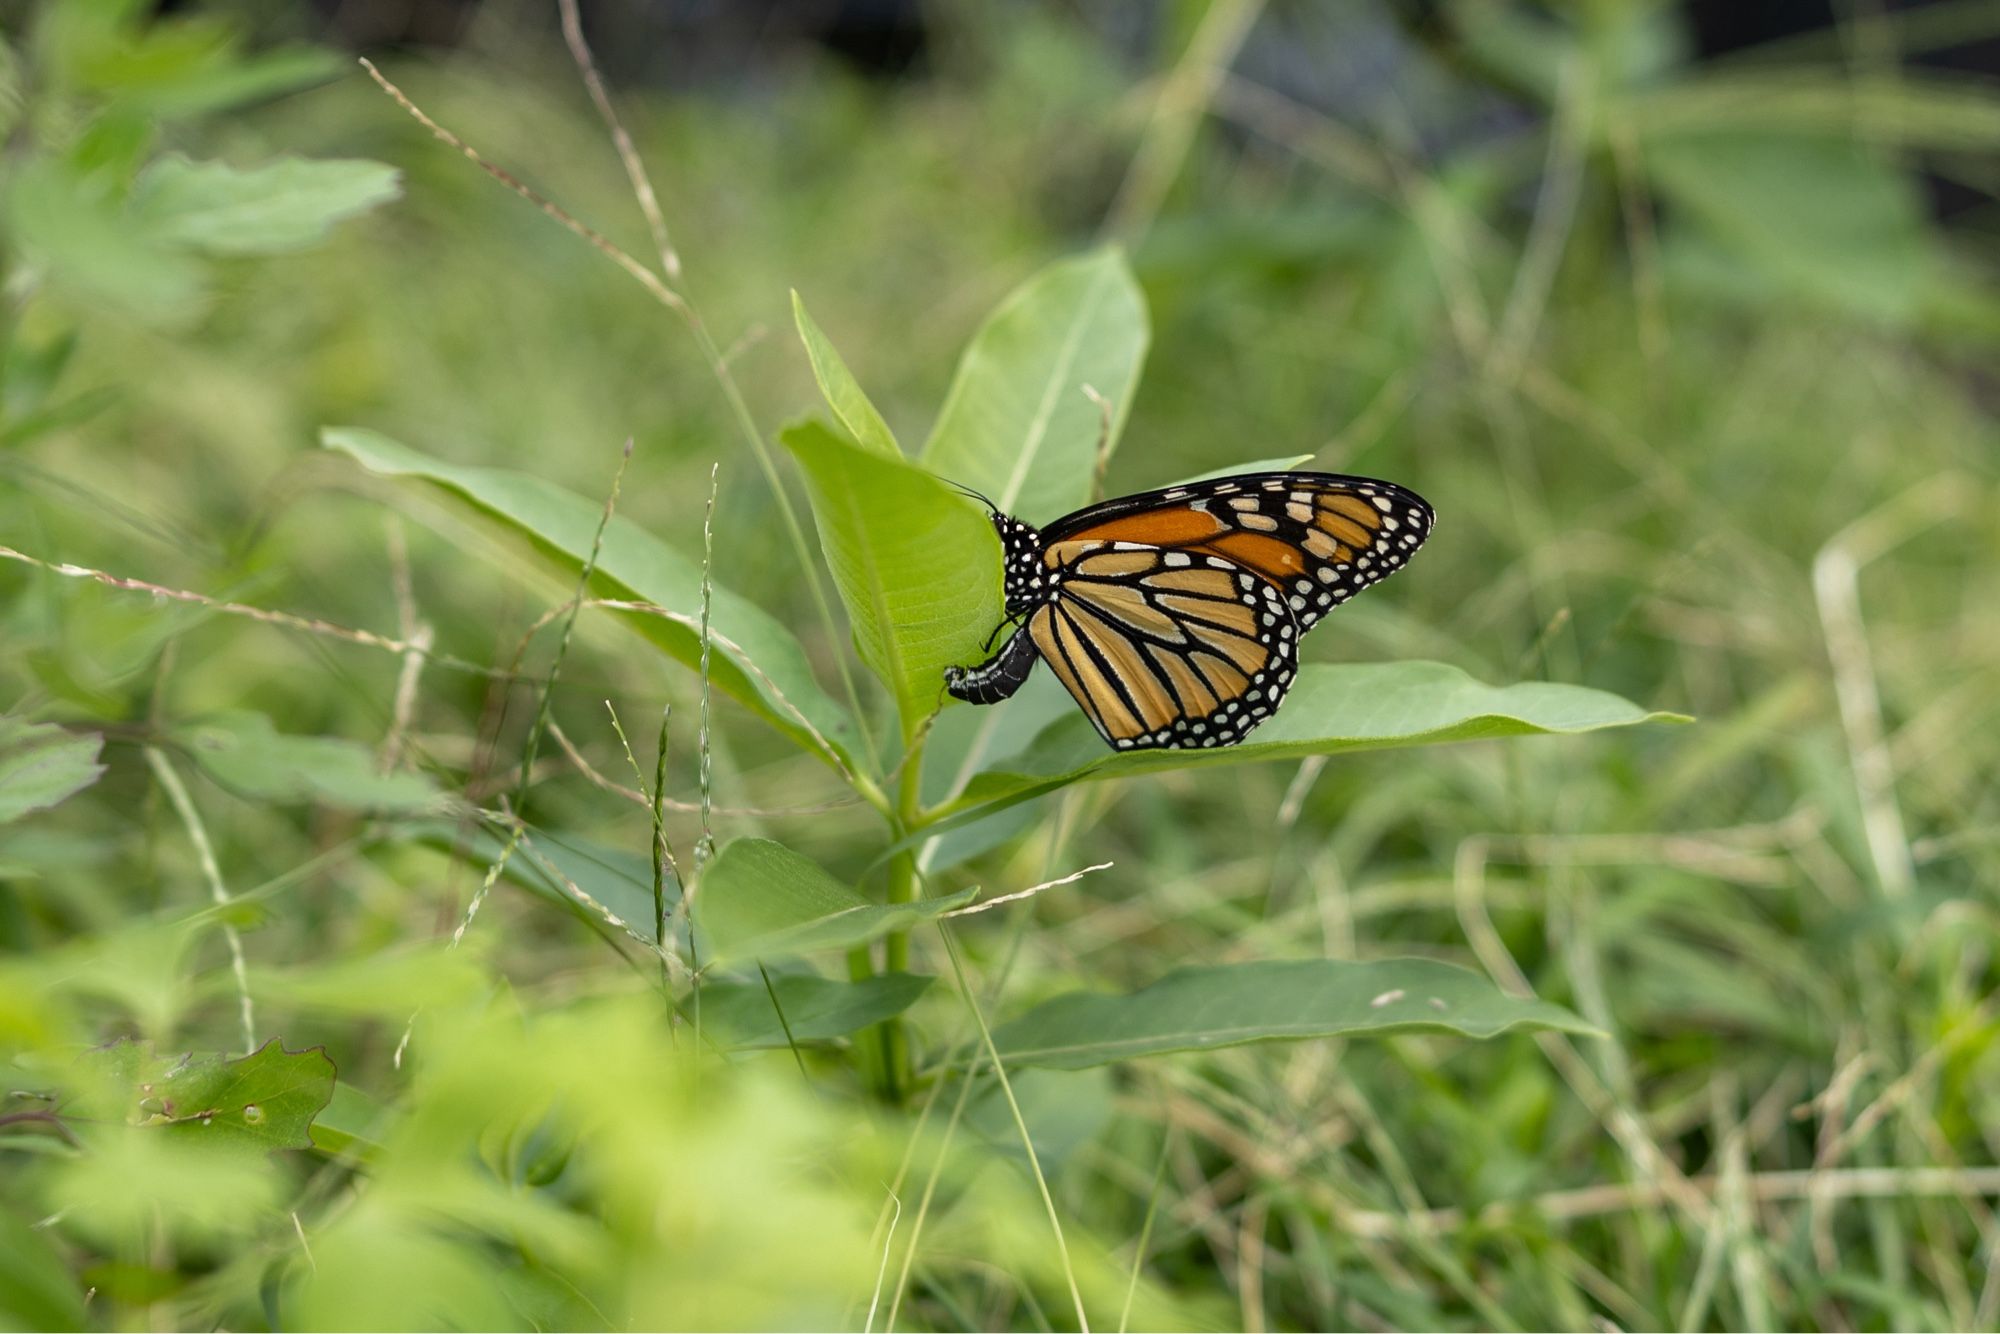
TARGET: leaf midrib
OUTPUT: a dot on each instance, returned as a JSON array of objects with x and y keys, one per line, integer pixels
[{"x": 1010, "y": 494}]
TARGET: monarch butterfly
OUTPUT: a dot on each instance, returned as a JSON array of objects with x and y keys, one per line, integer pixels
[{"x": 1174, "y": 616}]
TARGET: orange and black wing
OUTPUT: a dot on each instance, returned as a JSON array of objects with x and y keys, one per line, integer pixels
[
  {"x": 1320, "y": 538},
  {"x": 1176, "y": 614},
  {"x": 1165, "y": 648}
]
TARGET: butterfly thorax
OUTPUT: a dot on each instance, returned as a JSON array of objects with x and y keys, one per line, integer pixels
[{"x": 1026, "y": 581}]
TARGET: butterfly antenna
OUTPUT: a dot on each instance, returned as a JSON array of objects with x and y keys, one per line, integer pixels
[{"x": 979, "y": 496}]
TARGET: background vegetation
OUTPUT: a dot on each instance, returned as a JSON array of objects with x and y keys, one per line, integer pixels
[{"x": 1692, "y": 356}]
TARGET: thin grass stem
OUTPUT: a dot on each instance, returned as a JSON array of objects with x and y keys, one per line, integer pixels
[
  {"x": 204, "y": 851},
  {"x": 1020, "y": 1123}
]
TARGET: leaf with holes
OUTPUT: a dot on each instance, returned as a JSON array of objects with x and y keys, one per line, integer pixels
[{"x": 253, "y": 1104}]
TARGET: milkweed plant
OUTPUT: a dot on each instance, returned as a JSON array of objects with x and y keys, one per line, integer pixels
[{"x": 763, "y": 1036}]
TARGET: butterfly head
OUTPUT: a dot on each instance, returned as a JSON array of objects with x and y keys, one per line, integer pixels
[{"x": 1021, "y": 556}]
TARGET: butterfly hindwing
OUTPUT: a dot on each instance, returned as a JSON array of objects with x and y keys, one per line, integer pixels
[{"x": 1164, "y": 648}]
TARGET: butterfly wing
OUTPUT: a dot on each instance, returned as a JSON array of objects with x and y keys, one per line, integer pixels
[
  {"x": 1320, "y": 537},
  {"x": 1162, "y": 648},
  {"x": 1177, "y": 614}
]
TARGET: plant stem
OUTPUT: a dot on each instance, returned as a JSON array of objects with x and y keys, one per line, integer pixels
[{"x": 903, "y": 882}]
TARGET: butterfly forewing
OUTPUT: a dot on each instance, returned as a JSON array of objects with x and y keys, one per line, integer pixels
[{"x": 1322, "y": 537}]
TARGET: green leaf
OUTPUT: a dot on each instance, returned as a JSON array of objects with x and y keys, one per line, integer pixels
[
  {"x": 842, "y": 392},
  {"x": 41, "y": 765},
  {"x": 1826, "y": 218},
  {"x": 241, "y": 80},
  {"x": 251, "y": 1105},
  {"x": 1063, "y": 1109},
  {"x": 164, "y": 66},
  {"x": 1016, "y": 423},
  {"x": 1284, "y": 463},
  {"x": 244, "y": 753},
  {"x": 759, "y": 899},
  {"x": 287, "y": 204},
  {"x": 81, "y": 241},
  {"x": 816, "y": 1009},
  {"x": 911, "y": 558},
  {"x": 1199, "y": 1009},
  {"x": 757, "y": 661},
  {"x": 1331, "y": 709},
  {"x": 36, "y": 1290}
]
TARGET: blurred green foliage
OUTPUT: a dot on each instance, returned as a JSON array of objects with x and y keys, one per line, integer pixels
[{"x": 1702, "y": 395}]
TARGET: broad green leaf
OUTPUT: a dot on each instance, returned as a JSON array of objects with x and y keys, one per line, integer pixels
[
  {"x": 42, "y": 764},
  {"x": 1331, "y": 709},
  {"x": 244, "y": 753},
  {"x": 759, "y": 899},
  {"x": 287, "y": 204},
  {"x": 1286, "y": 463},
  {"x": 740, "y": 1014},
  {"x": 842, "y": 392},
  {"x": 910, "y": 556},
  {"x": 253, "y": 1104},
  {"x": 165, "y": 66},
  {"x": 238, "y": 80},
  {"x": 1016, "y": 423},
  {"x": 757, "y": 661},
  {"x": 1228, "y": 1005},
  {"x": 76, "y": 238},
  {"x": 1826, "y": 218},
  {"x": 36, "y": 1290},
  {"x": 1064, "y": 1110}
]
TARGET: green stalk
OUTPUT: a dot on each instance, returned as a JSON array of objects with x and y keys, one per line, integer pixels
[
  {"x": 893, "y": 1044},
  {"x": 868, "y": 1053}
]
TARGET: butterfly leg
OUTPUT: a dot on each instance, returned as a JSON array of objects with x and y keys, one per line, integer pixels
[{"x": 997, "y": 678}]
